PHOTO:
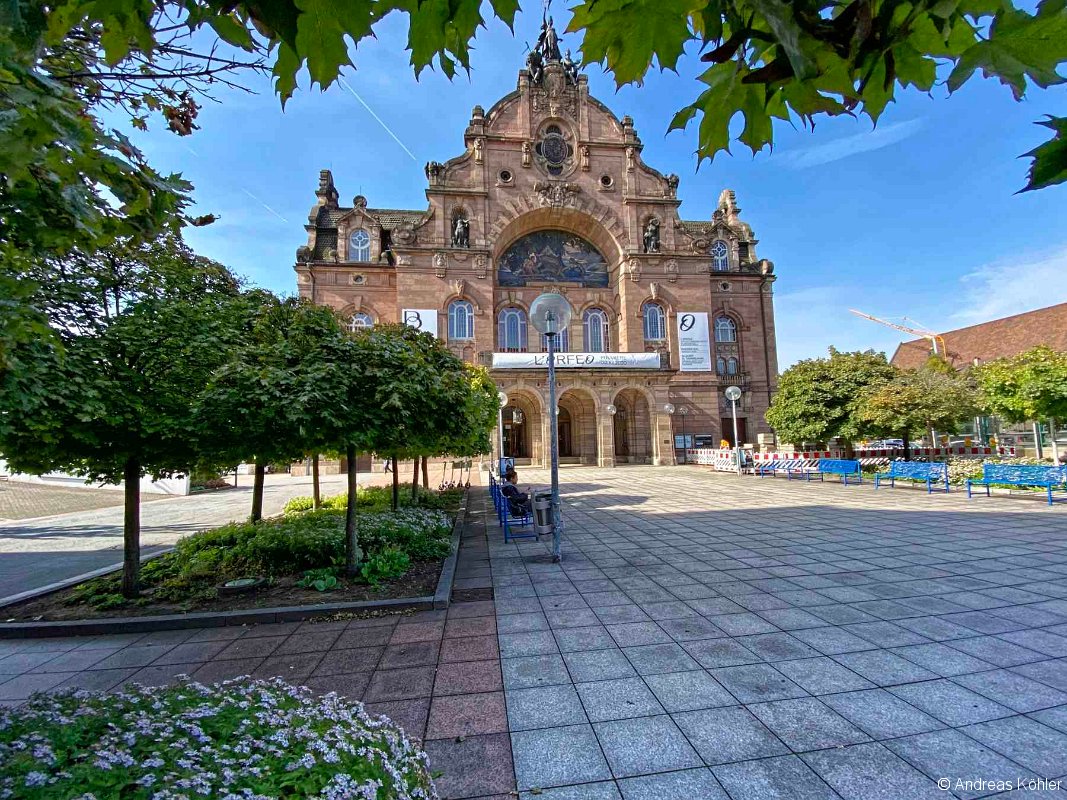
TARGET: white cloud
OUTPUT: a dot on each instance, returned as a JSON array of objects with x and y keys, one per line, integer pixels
[
  {"x": 1012, "y": 286},
  {"x": 847, "y": 146}
]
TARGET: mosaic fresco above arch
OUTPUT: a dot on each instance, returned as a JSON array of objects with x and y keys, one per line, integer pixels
[{"x": 552, "y": 256}]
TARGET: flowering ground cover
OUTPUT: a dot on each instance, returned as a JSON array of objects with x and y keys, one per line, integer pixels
[{"x": 242, "y": 739}]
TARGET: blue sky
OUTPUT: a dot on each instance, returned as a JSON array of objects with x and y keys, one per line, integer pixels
[{"x": 917, "y": 217}]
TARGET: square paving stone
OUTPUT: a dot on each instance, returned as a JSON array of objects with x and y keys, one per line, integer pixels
[
  {"x": 997, "y": 651},
  {"x": 791, "y": 619},
  {"x": 687, "y": 784},
  {"x": 1025, "y": 741},
  {"x": 719, "y": 653},
  {"x": 831, "y": 641},
  {"x": 822, "y": 676},
  {"x": 521, "y": 623},
  {"x": 477, "y": 765},
  {"x": 467, "y": 715},
  {"x": 594, "y": 637},
  {"x": 598, "y": 665},
  {"x": 311, "y": 642},
  {"x": 645, "y": 746},
  {"x": 622, "y": 698},
  {"x": 777, "y": 646},
  {"x": 351, "y": 685},
  {"x": 950, "y": 754},
  {"x": 951, "y": 703},
  {"x": 674, "y": 609},
  {"x": 465, "y": 677},
  {"x": 757, "y": 683},
  {"x": 1012, "y": 690},
  {"x": 779, "y": 778},
  {"x": 410, "y": 715},
  {"x": 871, "y": 772},
  {"x": 688, "y": 691},
  {"x": 886, "y": 634},
  {"x": 414, "y": 654},
  {"x": 880, "y": 714},
  {"x": 339, "y": 662},
  {"x": 687, "y": 629},
  {"x": 150, "y": 675},
  {"x": 293, "y": 668},
  {"x": 942, "y": 659},
  {"x": 603, "y": 790},
  {"x": 400, "y": 684},
  {"x": 883, "y": 668},
  {"x": 557, "y": 757},
  {"x": 527, "y": 671},
  {"x": 246, "y": 647},
  {"x": 143, "y": 655},
  {"x": 529, "y": 643},
  {"x": 1053, "y": 673},
  {"x": 77, "y": 660},
  {"x": 637, "y": 633},
  {"x": 470, "y": 626},
  {"x": 364, "y": 637},
  {"x": 658, "y": 658},
  {"x": 544, "y": 707},
  {"x": 470, "y": 648},
  {"x": 743, "y": 624},
  {"x": 97, "y": 680},
  {"x": 722, "y": 735},
  {"x": 571, "y": 618},
  {"x": 218, "y": 671},
  {"x": 806, "y": 724}
]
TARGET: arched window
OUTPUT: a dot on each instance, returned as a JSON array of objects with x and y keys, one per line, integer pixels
[
  {"x": 359, "y": 246},
  {"x": 720, "y": 366},
  {"x": 720, "y": 256},
  {"x": 563, "y": 342},
  {"x": 460, "y": 320},
  {"x": 655, "y": 322},
  {"x": 732, "y": 366},
  {"x": 725, "y": 330},
  {"x": 360, "y": 321},
  {"x": 595, "y": 331},
  {"x": 511, "y": 330}
]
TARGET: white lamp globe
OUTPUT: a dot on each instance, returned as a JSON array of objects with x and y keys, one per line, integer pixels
[{"x": 550, "y": 313}]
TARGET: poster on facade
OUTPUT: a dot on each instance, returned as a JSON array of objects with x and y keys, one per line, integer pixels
[
  {"x": 423, "y": 319},
  {"x": 577, "y": 360},
  {"x": 694, "y": 345}
]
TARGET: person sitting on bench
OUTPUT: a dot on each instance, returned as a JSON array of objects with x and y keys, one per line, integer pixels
[{"x": 518, "y": 502}]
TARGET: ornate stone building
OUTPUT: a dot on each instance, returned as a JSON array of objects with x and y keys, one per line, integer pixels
[{"x": 551, "y": 194}]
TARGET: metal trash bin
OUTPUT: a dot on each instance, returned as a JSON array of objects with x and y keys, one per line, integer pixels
[{"x": 542, "y": 509}]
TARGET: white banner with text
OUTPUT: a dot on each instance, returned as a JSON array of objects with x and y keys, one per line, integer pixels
[
  {"x": 577, "y": 360},
  {"x": 694, "y": 345}
]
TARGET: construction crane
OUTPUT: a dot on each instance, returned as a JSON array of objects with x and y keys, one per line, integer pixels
[{"x": 933, "y": 337}]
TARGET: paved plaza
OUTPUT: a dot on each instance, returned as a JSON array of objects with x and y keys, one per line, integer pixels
[{"x": 705, "y": 637}]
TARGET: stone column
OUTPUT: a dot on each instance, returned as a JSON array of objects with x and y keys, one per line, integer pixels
[{"x": 606, "y": 433}]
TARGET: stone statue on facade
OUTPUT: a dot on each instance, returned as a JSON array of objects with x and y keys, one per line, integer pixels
[
  {"x": 571, "y": 68},
  {"x": 433, "y": 170},
  {"x": 536, "y": 65},
  {"x": 461, "y": 233},
  {"x": 548, "y": 42},
  {"x": 651, "y": 239}
]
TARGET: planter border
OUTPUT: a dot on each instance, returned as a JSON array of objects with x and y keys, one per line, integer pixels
[{"x": 220, "y": 619}]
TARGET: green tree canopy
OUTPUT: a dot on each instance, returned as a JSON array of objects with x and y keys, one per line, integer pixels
[
  {"x": 253, "y": 408},
  {"x": 143, "y": 327},
  {"x": 820, "y": 398},
  {"x": 1029, "y": 386},
  {"x": 918, "y": 400}
]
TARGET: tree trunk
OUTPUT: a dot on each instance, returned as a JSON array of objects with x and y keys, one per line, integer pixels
[
  {"x": 353, "y": 554},
  {"x": 396, "y": 485},
  {"x": 257, "y": 491},
  {"x": 131, "y": 529},
  {"x": 425, "y": 475},
  {"x": 906, "y": 437},
  {"x": 316, "y": 493},
  {"x": 415, "y": 481}
]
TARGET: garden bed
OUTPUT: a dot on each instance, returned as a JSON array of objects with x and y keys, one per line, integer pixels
[{"x": 299, "y": 556}]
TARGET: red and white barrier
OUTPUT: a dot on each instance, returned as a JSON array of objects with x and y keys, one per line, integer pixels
[{"x": 973, "y": 452}]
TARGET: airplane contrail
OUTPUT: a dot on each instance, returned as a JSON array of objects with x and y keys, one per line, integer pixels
[{"x": 370, "y": 110}]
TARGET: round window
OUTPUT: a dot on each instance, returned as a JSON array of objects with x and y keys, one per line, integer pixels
[
  {"x": 505, "y": 176},
  {"x": 554, "y": 149}
]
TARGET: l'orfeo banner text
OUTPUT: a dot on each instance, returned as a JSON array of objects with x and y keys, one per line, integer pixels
[{"x": 577, "y": 360}]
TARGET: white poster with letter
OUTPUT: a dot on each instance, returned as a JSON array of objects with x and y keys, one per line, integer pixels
[
  {"x": 694, "y": 345},
  {"x": 423, "y": 319}
]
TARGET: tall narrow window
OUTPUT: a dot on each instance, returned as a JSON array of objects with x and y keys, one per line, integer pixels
[
  {"x": 511, "y": 330},
  {"x": 655, "y": 322},
  {"x": 732, "y": 366},
  {"x": 359, "y": 246},
  {"x": 720, "y": 366},
  {"x": 563, "y": 342},
  {"x": 460, "y": 320},
  {"x": 725, "y": 330},
  {"x": 595, "y": 331},
  {"x": 720, "y": 256},
  {"x": 360, "y": 321}
]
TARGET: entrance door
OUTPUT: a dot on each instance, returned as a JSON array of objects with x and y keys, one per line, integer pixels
[
  {"x": 622, "y": 435},
  {"x": 514, "y": 433},
  {"x": 727, "y": 424},
  {"x": 563, "y": 431}
]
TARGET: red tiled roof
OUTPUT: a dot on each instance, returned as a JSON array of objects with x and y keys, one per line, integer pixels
[{"x": 990, "y": 340}]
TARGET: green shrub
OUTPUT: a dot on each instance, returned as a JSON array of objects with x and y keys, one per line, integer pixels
[
  {"x": 384, "y": 565},
  {"x": 242, "y": 738},
  {"x": 321, "y": 579},
  {"x": 380, "y": 498},
  {"x": 298, "y": 504}
]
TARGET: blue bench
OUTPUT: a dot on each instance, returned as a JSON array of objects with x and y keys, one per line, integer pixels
[
  {"x": 1048, "y": 478},
  {"x": 506, "y": 518},
  {"x": 845, "y": 467},
  {"x": 916, "y": 471}
]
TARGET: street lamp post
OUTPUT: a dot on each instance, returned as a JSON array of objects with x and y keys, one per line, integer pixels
[
  {"x": 503, "y": 398},
  {"x": 733, "y": 394},
  {"x": 684, "y": 412},
  {"x": 668, "y": 409},
  {"x": 550, "y": 314}
]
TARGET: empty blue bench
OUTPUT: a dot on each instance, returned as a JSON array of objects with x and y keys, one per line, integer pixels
[
  {"x": 845, "y": 467},
  {"x": 1048, "y": 478},
  {"x": 916, "y": 471}
]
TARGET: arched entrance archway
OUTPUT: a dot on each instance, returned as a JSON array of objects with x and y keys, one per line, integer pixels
[
  {"x": 577, "y": 422},
  {"x": 632, "y": 428},
  {"x": 521, "y": 418}
]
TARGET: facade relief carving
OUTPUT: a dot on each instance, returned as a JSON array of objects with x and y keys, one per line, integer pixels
[{"x": 557, "y": 194}]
